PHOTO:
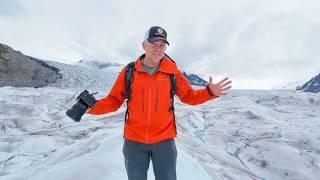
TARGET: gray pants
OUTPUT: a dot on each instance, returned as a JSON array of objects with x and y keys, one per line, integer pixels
[{"x": 137, "y": 158}]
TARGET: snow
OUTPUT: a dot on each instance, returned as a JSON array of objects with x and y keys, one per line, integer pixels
[{"x": 248, "y": 134}]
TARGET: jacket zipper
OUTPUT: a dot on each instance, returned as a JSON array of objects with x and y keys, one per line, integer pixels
[
  {"x": 142, "y": 99},
  {"x": 157, "y": 95},
  {"x": 149, "y": 109}
]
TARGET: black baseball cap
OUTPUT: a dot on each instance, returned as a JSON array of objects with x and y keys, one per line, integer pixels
[{"x": 156, "y": 33}]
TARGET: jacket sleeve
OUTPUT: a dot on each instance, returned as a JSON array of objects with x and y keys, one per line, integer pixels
[
  {"x": 191, "y": 96},
  {"x": 114, "y": 99}
]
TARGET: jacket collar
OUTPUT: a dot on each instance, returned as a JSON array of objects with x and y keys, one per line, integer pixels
[{"x": 167, "y": 65}]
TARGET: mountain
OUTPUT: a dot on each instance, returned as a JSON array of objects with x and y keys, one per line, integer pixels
[
  {"x": 18, "y": 70},
  {"x": 313, "y": 85},
  {"x": 195, "y": 80}
]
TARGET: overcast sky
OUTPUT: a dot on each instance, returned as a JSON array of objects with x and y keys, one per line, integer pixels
[{"x": 258, "y": 44}]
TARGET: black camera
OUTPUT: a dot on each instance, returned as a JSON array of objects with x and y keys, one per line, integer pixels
[{"x": 84, "y": 101}]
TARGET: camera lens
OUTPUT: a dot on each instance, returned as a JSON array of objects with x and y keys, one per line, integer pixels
[{"x": 77, "y": 111}]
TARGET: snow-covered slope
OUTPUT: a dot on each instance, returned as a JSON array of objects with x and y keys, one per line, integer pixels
[
  {"x": 292, "y": 85},
  {"x": 97, "y": 64},
  {"x": 244, "y": 135},
  {"x": 82, "y": 77}
]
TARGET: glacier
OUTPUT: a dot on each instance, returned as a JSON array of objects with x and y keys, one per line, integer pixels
[{"x": 248, "y": 134}]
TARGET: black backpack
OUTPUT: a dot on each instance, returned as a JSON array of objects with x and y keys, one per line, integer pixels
[{"x": 128, "y": 82}]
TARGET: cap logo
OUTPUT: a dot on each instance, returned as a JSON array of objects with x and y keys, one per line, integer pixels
[{"x": 160, "y": 31}]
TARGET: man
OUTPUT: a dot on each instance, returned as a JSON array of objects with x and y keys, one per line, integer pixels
[{"x": 150, "y": 126}]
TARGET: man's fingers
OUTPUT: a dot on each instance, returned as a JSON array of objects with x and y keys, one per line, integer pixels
[
  {"x": 226, "y": 88},
  {"x": 226, "y": 84},
  {"x": 222, "y": 81},
  {"x": 210, "y": 80}
]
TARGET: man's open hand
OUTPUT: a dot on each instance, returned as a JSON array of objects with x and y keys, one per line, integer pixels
[{"x": 220, "y": 88}]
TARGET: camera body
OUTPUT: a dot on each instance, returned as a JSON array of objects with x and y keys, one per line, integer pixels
[{"x": 84, "y": 101}]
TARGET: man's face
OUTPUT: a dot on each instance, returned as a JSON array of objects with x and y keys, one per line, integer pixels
[{"x": 155, "y": 50}]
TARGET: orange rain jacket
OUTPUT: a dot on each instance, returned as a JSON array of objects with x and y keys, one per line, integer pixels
[{"x": 149, "y": 119}]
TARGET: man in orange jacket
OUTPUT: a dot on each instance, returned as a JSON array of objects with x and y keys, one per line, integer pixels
[{"x": 150, "y": 127}]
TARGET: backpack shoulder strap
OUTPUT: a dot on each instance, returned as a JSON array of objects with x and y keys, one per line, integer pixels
[
  {"x": 172, "y": 90},
  {"x": 128, "y": 83},
  {"x": 128, "y": 79},
  {"x": 173, "y": 85},
  {"x": 172, "y": 81}
]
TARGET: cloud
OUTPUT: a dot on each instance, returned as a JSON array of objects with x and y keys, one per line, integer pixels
[
  {"x": 9, "y": 8},
  {"x": 251, "y": 41}
]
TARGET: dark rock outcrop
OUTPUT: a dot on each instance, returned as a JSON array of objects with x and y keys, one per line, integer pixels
[
  {"x": 313, "y": 85},
  {"x": 18, "y": 70},
  {"x": 195, "y": 80}
]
